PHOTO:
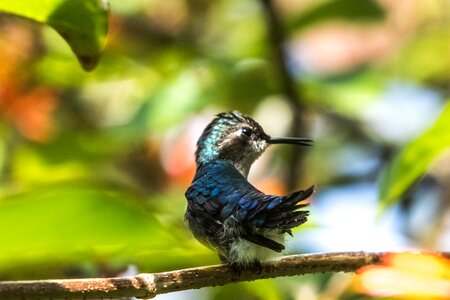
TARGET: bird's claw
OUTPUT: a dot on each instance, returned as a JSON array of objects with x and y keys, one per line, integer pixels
[{"x": 255, "y": 265}]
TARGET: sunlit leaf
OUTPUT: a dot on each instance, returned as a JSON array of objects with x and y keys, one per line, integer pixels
[
  {"x": 74, "y": 223},
  {"x": 352, "y": 10},
  {"x": 426, "y": 57},
  {"x": 407, "y": 276},
  {"x": 261, "y": 289},
  {"x": 83, "y": 24},
  {"x": 414, "y": 159}
]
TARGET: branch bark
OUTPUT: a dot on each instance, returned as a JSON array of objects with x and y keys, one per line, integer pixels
[{"x": 150, "y": 285}]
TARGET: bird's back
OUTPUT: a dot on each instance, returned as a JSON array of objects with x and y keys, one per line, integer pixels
[{"x": 230, "y": 215}]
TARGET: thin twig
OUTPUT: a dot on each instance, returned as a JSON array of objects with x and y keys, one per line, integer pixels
[
  {"x": 150, "y": 285},
  {"x": 289, "y": 86}
]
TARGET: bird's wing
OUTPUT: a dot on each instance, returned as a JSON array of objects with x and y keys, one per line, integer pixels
[{"x": 223, "y": 192}]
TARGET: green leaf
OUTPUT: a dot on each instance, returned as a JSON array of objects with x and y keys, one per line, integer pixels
[
  {"x": 353, "y": 10},
  {"x": 425, "y": 58},
  {"x": 82, "y": 23},
  {"x": 261, "y": 289},
  {"x": 72, "y": 224},
  {"x": 414, "y": 160}
]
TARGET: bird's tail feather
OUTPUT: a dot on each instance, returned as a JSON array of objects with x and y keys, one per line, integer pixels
[
  {"x": 263, "y": 241},
  {"x": 284, "y": 212}
]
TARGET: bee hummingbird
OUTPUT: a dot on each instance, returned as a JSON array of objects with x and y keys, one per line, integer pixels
[{"x": 224, "y": 211}]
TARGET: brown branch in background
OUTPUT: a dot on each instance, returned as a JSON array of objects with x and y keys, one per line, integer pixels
[
  {"x": 298, "y": 127},
  {"x": 150, "y": 285}
]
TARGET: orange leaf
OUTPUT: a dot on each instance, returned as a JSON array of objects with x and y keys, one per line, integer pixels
[{"x": 407, "y": 276}]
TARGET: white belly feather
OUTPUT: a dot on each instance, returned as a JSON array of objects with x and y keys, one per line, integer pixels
[{"x": 244, "y": 252}]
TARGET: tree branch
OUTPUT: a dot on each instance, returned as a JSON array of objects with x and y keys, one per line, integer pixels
[
  {"x": 150, "y": 285},
  {"x": 298, "y": 127}
]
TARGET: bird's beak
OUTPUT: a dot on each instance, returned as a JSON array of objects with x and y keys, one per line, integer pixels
[{"x": 290, "y": 140}]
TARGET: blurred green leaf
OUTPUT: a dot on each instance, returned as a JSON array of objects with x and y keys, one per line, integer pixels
[
  {"x": 248, "y": 74},
  {"x": 179, "y": 95},
  {"x": 261, "y": 289},
  {"x": 71, "y": 156},
  {"x": 83, "y": 24},
  {"x": 414, "y": 159},
  {"x": 426, "y": 58},
  {"x": 75, "y": 223},
  {"x": 348, "y": 95},
  {"x": 353, "y": 10}
]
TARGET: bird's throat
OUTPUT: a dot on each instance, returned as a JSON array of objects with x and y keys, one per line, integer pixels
[{"x": 243, "y": 168}]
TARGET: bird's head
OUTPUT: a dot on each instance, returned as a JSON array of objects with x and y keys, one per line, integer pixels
[{"x": 237, "y": 138}]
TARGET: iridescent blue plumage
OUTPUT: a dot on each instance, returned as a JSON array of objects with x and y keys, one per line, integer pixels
[{"x": 224, "y": 210}]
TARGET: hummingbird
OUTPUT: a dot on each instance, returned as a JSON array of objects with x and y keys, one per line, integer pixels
[{"x": 227, "y": 213}]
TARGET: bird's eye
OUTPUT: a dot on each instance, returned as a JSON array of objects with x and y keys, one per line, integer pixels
[{"x": 247, "y": 132}]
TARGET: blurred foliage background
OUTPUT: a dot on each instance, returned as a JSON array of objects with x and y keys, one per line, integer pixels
[{"x": 94, "y": 165}]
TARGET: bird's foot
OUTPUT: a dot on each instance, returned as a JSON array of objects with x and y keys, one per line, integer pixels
[
  {"x": 257, "y": 266},
  {"x": 236, "y": 268},
  {"x": 253, "y": 266}
]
